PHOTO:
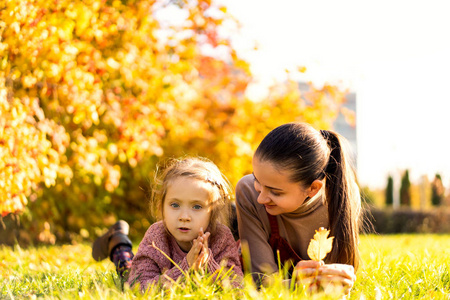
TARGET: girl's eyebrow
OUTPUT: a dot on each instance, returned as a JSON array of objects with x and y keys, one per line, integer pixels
[
  {"x": 199, "y": 202},
  {"x": 269, "y": 187},
  {"x": 190, "y": 201}
]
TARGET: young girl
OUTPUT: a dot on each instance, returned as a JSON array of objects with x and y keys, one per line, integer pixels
[
  {"x": 192, "y": 199},
  {"x": 301, "y": 181}
]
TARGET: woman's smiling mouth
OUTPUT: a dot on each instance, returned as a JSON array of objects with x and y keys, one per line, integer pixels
[{"x": 269, "y": 205}]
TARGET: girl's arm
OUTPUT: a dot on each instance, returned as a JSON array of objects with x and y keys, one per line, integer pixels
[
  {"x": 223, "y": 247},
  {"x": 146, "y": 270},
  {"x": 150, "y": 265}
]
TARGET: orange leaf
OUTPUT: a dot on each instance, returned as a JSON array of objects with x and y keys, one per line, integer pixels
[{"x": 320, "y": 245}]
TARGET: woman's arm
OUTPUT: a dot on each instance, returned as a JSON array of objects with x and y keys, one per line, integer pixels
[{"x": 252, "y": 230}]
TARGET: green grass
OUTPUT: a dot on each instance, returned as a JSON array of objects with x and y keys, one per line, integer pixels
[{"x": 394, "y": 267}]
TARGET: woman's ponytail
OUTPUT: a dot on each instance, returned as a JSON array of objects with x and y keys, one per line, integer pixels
[{"x": 344, "y": 203}]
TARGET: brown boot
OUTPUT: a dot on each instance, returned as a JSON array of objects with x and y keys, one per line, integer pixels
[{"x": 116, "y": 235}]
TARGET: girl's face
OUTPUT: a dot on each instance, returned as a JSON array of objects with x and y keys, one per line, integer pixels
[
  {"x": 276, "y": 192},
  {"x": 186, "y": 209}
]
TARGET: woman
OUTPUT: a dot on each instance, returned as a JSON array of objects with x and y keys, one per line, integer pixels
[{"x": 301, "y": 181}]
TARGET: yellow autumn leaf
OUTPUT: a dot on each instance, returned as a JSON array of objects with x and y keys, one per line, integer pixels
[
  {"x": 301, "y": 69},
  {"x": 84, "y": 15},
  {"x": 320, "y": 245}
]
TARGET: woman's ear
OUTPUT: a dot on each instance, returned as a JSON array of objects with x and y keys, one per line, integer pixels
[{"x": 315, "y": 187}]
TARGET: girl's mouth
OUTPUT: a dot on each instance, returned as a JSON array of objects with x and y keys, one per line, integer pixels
[{"x": 183, "y": 229}]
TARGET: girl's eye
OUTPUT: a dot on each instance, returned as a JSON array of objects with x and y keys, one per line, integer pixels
[
  {"x": 174, "y": 205},
  {"x": 197, "y": 207}
]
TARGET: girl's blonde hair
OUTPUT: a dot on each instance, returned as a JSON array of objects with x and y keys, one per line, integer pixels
[{"x": 197, "y": 168}]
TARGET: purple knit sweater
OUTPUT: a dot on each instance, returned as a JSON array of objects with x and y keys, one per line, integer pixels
[{"x": 149, "y": 264}]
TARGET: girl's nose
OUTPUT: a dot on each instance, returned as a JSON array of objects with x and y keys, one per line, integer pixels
[{"x": 184, "y": 217}]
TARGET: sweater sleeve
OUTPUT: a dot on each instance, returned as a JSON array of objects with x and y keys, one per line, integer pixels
[
  {"x": 224, "y": 249},
  {"x": 252, "y": 229},
  {"x": 149, "y": 265}
]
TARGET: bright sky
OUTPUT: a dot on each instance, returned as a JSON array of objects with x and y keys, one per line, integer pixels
[{"x": 395, "y": 54}]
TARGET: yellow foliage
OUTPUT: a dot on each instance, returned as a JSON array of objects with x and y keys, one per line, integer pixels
[
  {"x": 320, "y": 245},
  {"x": 93, "y": 94}
]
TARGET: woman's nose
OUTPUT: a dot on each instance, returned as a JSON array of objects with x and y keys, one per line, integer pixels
[{"x": 263, "y": 198}]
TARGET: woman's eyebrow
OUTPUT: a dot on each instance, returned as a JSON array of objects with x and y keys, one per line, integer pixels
[{"x": 269, "y": 187}]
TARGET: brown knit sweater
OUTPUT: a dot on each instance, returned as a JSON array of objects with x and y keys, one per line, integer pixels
[
  {"x": 149, "y": 264},
  {"x": 297, "y": 227}
]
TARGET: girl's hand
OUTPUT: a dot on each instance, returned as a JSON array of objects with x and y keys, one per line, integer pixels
[
  {"x": 192, "y": 255},
  {"x": 200, "y": 251},
  {"x": 204, "y": 255},
  {"x": 340, "y": 276}
]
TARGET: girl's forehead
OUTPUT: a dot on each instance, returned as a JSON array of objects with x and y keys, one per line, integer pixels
[
  {"x": 186, "y": 186},
  {"x": 187, "y": 180}
]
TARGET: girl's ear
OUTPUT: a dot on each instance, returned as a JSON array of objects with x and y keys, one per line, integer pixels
[{"x": 315, "y": 187}]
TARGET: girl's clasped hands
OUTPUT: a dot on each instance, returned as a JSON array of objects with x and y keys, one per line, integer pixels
[{"x": 199, "y": 255}]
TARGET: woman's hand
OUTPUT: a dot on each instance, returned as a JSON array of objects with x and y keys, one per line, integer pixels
[
  {"x": 199, "y": 255},
  {"x": 306, "y": 270},
  {"x": 335, "y": 276},
  {"x": 338, "y": 275}
]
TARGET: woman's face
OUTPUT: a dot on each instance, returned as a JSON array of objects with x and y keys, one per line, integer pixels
[{"x": 276, "y": 192}]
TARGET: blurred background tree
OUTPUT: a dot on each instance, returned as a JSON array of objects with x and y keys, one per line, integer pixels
[
  {"x": 405, "y": 190},
  {"x": 437, "y": 191},
  {"x": 93, "y": 94},
  {"x": 389, "y": 192}
]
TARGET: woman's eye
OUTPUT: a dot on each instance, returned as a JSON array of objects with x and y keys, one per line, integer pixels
[
  {"x": 275, "y": 193},
  {"x": 197, "y": 207},
  {"x": 174, "y": 205}
]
